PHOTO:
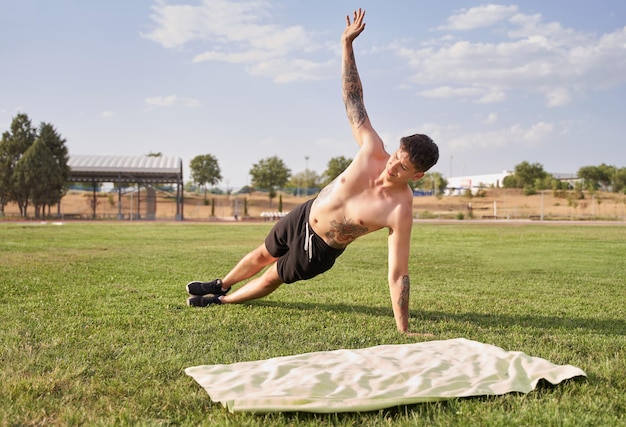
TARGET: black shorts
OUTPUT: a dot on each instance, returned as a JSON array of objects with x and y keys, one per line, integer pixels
[{"x": 301, "y": 253}]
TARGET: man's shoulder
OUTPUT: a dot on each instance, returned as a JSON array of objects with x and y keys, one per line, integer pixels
[
  {"x": 371, "y": 155},
  {"x": 403, "y": 201},
  {"x": 375, "y": 147}
]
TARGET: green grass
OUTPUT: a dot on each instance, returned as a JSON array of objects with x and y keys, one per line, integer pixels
[{"x": 95, "y": 330}]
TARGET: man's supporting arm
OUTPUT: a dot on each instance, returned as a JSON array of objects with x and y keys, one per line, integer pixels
[
  {"x": 399, "y": 242},
  {"x": 400, "y": 292}
]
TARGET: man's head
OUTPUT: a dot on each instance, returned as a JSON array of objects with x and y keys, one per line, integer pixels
[{"x": 423, "y": 152}]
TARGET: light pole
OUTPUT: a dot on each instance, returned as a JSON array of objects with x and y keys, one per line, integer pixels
[{"x": 306, "y": 176}]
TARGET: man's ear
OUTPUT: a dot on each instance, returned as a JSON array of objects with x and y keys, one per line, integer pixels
[{"x": 418, "y": 175}]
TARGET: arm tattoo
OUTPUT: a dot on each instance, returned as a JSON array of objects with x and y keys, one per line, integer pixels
[
  {"x": 353, "y": 93},
  {"x": 343, "y": 233},
  {"x": 403, "y": 301}
]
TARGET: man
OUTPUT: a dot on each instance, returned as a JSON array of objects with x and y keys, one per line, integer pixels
[{"x": 372, "y": 193}]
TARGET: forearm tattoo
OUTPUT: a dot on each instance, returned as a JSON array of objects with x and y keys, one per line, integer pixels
[
  {"x": 403, "y": 300},
  {"x": 353, "y": 93},
  {"x": 345, "y": 232}
]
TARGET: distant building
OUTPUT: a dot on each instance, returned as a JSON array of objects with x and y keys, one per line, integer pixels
[
  {"x": 570, "y": 178},
  {"x": 458, "y": 185}
]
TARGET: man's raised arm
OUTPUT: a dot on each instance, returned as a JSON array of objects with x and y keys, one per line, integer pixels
[{"x": 352, "y": 90}]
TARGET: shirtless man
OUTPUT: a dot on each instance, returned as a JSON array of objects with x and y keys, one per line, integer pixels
[{"x": 372, "y": 193}]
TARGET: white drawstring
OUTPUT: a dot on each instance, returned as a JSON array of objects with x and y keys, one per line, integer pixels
[{"x": 308, "y": 242}]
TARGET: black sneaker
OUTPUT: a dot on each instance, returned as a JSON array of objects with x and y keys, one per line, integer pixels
[
  {"x": 213, "y": 287},
  {"x": 202, "y": 301}
]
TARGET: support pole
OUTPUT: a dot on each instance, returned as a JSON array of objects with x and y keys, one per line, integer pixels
[
  {"x": 120, "y": 215},
  {"x": 138, "y": 200},
  {"x": 94, "y": 200}
]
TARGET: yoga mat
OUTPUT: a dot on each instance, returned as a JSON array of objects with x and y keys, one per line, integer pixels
[{"x": 376, "y": 377}]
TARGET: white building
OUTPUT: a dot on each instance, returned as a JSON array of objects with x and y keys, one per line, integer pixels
[{"x": 458, "y": 185}]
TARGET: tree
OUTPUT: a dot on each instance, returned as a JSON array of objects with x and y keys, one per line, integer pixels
[
  {"x": 431, "y": 181},
  {"x": 304, "y": 180},
  {"x": 270, "y": 173},
  {"x": 205, "y": 170},
  {"x": 619, "y": 180},
  {"x": 527, "y": 176},
  {"x": 335, "y": 166},
  {"x": 35, "y": 172},
  {"x": 57, "y": 185},
  {"x": 12, "y": 147},
  {"x": 597, "y": 177},
  {"x": 528, "y": 173}
]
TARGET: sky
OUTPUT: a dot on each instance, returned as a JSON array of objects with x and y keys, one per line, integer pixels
[{"x": 493, "y": 83}]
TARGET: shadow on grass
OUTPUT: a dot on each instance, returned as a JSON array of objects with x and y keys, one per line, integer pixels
[{"x": 607, "y": 327}]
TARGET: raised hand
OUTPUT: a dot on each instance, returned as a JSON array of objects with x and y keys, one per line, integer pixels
[{"x": 354, "y": 28}]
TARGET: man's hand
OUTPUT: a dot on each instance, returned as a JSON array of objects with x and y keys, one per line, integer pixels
[{"x": 355, "y": 28}]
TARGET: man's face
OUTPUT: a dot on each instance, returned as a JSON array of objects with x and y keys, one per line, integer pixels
[{"x": 400, "y": 168}]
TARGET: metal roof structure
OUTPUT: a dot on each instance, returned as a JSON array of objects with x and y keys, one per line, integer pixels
[
  {"x": 141, "y": 170},
  {"x": 137, "y": 169}
]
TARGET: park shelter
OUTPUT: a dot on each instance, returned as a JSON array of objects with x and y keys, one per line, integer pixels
[{"x": 120, "y": 170}]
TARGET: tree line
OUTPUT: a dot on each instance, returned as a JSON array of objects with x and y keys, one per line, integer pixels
[
  {"x": 272, "y": 174},
  {"x": 34, "y": 172},
  {"x": 531, "y": 177}
]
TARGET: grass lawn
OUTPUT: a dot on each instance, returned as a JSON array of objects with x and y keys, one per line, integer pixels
[{"x": 95, "y": 330}]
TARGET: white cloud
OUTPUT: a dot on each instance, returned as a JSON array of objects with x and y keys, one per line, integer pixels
[
  {"x": 459, "y": 139},
  {"x": 491, "y": 119},
  {"x": 190, "y": 102},
  {"x": 212, "y": 20},
  {"x": 171, "y": 101},
  {"x": 537, "y": 133},
  {"x": 492, "y": 97},
  {"x": 558, "y": 96},
  {"x": 107, "y": 114},
  {"x": 477, "y": 17},
  {"x": 451, "y": 92},
  {"x": 545, "y": 58},
  {"x": 286, "y": 71},
  {"x": 235, "y": 32},
  {"x": 480, "y": 95},
  {"x": 161, "y": 101}
]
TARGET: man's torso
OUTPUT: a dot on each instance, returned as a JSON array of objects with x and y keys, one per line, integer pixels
[{"x": 357, "y": 203}]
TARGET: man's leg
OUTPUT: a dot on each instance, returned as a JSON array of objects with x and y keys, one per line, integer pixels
[
  {"x": 248, "y": 266},
  {"x": 256, "y": 288}
]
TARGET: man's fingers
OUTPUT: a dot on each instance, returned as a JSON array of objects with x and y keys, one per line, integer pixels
[
  {"x": 357, "y": 19},
  {"x": 359, "y": 16}
]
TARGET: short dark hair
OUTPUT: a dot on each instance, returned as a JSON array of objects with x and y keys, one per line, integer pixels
[{"x": 423, "y": 152}]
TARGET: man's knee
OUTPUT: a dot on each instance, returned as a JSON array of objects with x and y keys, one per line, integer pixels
[
  {"x": 262, "y": 255},
  {"x": 271, "y": 278}
]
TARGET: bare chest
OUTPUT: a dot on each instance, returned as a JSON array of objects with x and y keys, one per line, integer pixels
[{"x": 341, "y": 215}]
